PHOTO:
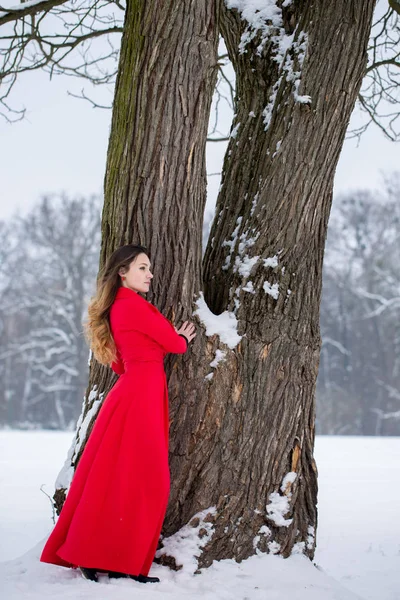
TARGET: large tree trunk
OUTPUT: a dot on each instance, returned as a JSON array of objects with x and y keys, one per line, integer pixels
[
  {"x": 274, "y": 204},
  {"x": 155, "y": 181},
  {"x": 241, "y": 442}
]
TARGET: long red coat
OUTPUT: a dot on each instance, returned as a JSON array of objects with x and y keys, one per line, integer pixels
[{"x": 114, "y": 510}]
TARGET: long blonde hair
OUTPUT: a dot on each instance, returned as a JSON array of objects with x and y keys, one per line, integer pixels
[{"x": 97, "y": 326}]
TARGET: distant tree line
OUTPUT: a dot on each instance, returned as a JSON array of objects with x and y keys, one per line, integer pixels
[
  {"x": 358, "y": 386},
  {"x": 49, "y": 261},
  {"x": 48, "y": 266}
]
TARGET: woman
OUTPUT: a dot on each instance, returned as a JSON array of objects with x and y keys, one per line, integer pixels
[{"x": 114, "y": 510}]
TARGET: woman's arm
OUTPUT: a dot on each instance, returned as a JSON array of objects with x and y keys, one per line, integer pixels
[{"x": 142, "y": 316}]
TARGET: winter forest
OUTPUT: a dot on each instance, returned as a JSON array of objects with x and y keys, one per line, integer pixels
[{"x": 44, "y": 357}]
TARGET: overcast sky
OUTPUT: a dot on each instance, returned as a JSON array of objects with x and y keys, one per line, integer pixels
[{"x": 61, "y": 145}]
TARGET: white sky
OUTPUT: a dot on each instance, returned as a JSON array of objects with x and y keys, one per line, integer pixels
[{"x": 62, "y": 143}]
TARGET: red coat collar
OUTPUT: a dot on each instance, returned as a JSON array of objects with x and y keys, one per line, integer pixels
[{"x": 125, "y": 292}]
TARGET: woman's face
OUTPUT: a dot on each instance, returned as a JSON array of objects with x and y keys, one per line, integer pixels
[{"x": 138, "y": 277}]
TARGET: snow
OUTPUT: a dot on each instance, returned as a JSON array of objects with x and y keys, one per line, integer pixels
[
  {"x": 235, "y": 130},
  {"x": 254, "y": 204},
  {"x": 231, "y": 243},
  {"x": 21, "y": 6},
  {"x": 278, "y": 145},
  {"x": 244, "y": 265},
  {"x": 83, "y": 426},
  {"x": 287, "y": 481},
  {"x": 185, "y": 544},
  {"x": 358, "y": 548},
  {"x": 219, "y": 357},
  {"x": 271, "y": 261},
  {"x": 271, "y": 290},
  {"x": 224, "y": 325},
  {"x": 279, "y": 505},
  {"x": 249, "y": 287},
  {"x": 264, "y": 17},
  {"x": 257, "y": 13}
]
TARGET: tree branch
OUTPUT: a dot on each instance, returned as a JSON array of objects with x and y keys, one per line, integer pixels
[{"x": 27, "y": 8}]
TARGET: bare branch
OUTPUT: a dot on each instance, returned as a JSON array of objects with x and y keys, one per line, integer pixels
[
  {"x": 27, "y": 8},
  {"x": 83, "y": 96},
  {"x": 79, "y": 38},
  {"x": 381, "y": 86}
]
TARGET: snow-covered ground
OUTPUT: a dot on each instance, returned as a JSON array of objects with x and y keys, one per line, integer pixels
[{"x": 358, "y": 538}]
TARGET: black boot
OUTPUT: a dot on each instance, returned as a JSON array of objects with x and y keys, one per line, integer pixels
[
  {"x": 116, "y": 574},
  {"x": 144, "y": 578},
  {"x": 89, "y": 574}
]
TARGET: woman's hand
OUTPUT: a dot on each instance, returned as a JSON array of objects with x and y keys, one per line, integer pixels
[{"x": 187, "y": 329}]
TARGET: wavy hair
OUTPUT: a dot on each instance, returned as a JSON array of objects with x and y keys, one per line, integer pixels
[{"x": 97, "y": 326}]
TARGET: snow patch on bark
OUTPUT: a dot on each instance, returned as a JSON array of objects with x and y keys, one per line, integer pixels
[
  {"x": 300, "y": 547},
  {"x": 231, "y": 243},
  {"x": 287, "y": 482},
  {"x": 234, "y": 131},
  {"x": 271, "y": 261},
  {"x": 219, "y": 356},
  {"x": 311, "y": 537},
  {"x": 271, "y": 290},
  {"x": 66, "y": 474},
  {"x": 264, "y": 530},
  {"x": 264, "y": 17},
  {"x": 279, "y": 505},
  {"x": 185, "y": 545},
  {"x": 297, "y": 49},
  {"x": 243, "y": 262},
  {"x": 82, "y": 426},
  {"x": 224, "y": 325},
  {"x": 278, "y": 145},
  {"x": 249, "y": 287},
  {"x": 254, "y": 203}
]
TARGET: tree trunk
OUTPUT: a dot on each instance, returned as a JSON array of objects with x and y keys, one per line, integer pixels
[
  {"x": 241, "y": 440},
  {"x": 155, "y": 181},
  {"x": 270, "y": 228}
]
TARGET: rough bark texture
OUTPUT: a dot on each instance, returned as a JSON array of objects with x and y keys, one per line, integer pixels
[{"x": 236, "y": 436}]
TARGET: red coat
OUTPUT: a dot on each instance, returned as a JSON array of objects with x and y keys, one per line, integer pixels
[{"x": 114, "y": 510}]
